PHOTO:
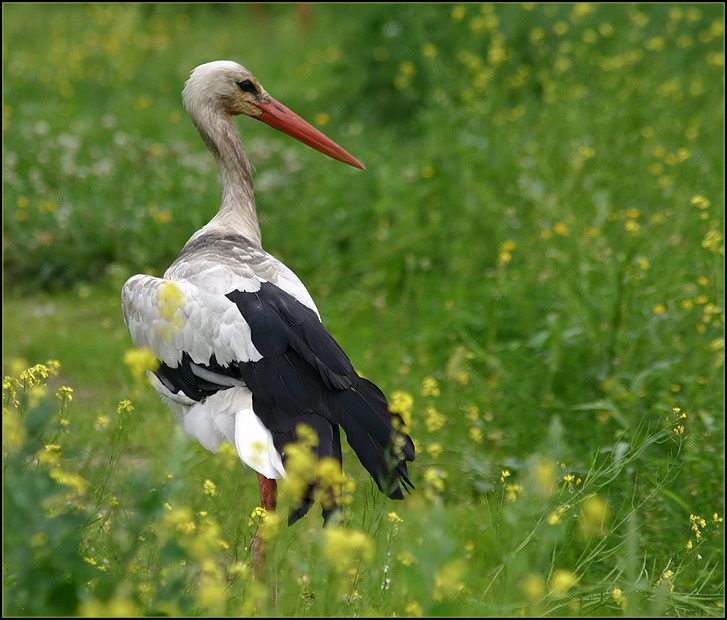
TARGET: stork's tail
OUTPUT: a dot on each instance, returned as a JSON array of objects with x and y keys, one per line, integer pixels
[{"x": 377, "y": 437}]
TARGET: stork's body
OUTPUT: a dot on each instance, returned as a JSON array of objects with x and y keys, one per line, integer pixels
[{"x": 243, "y": 354}]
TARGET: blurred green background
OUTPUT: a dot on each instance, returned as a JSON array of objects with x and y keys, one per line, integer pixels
[{"x": 539, "y": 230}]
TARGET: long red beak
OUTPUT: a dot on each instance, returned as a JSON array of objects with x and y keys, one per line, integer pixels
[{"x": 277, "y": 115}]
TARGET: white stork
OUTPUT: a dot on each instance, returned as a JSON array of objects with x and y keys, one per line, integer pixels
[{"x": 243, "y": 355}]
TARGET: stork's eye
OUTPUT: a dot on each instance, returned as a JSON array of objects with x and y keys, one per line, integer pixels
[{"x": 246, "y": 86}]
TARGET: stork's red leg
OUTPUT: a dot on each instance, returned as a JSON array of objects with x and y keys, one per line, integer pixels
[{"x": 268, "y": 500}]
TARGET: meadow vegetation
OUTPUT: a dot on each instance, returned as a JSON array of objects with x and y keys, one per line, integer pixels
[{"x": 531, "y": 267}]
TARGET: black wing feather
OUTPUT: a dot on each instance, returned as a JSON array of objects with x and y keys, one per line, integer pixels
[{"x": 313, "y": 375}]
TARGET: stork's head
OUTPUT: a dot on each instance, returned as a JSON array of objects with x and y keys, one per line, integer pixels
[{"x": 225, "y": 87}]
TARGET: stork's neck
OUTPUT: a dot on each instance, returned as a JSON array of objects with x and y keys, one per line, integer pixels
[{"x": 237, "y": 213}]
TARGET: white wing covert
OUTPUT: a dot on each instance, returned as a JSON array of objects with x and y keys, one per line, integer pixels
[{"x": 175, "y": 317}]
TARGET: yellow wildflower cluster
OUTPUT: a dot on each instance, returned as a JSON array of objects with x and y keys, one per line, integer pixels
[
  {"x": 121, "y": 605},
  {"x": 512, "y": 490},
  {"x": 593, "y": 517},
  {"x": 619, "y": 598},
  {"x": 543, "y": 475},
  {"x": 344, "y": 548},
  {"x": 22, "y": 390},
  {"x": 434, "y": 481},
  {"x": 533, "y": 586},
  {"x": 76, "y": 484},
  {"x": 679, "y": 428},
  {"x": 430, "y": 387},
  {"x": 33, "y": 377},
  {"x": 571, "y": 480},
  {"x": 698, "y": 524},
  {"x": 504, "y": 253},
  {"x": 199, "y": 534},
  {"x": 667, "y": 578},
  {"x": 64, "y": 394},
  {"x": 449, "y": 580},
  {"x": 304, "y": 468},
  {"x": 555, "y": 517},
  {"x": 561, "y": 581},
  {"x": 140, "y": 361},
  {"x": 395, "y": 519},
  {"x": 434, "y": 420},
  {"x": 267, "y": 522},
  {"x": 49, "y": 455},
  {"x": 210, "y": 488},
  {"x": 407, "y": 72},
  {"x": 414, "y": 609},
  {"x": 434, "y": 450},
  {"x": 402, "y": 403}
]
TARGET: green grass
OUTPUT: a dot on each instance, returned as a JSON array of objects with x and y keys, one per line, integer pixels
[{"x": 534, "y": 255}]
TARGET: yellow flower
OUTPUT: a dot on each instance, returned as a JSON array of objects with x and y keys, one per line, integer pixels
[
  {"x": 434, "y": 420},
  {"x": 414, "y": 609},
  {"x": 513, "y": 489},
  {"x": 560, "y": 28},
  {"x": 64, "y": 394},
  {"x": 434, "y": 450},
  {"x": 448, "y": 581},
  {"x": 74, "y": 481},
  {"x": 561, "y": 581},
  {"x": 306, "y": 435},
  {"x": 533, "y": 586},
  {"x": 543, "y": 475},
  {"x": 430, "y": 387},
  {"x": 406, "y": 558},
  {"x": 331, "y": 487},
  {"x": 179, "y": 519},
  {"x": 434, "y": 479},
  {"x": 125, "y": 406},
  {"x": 458, "y": 13},
  {"x": 121, "y": 605},
  {"x": 561, "y": 229},
  {"x": 700, "y": 202},
  {"x": 619, "y": 597},
  {"x": 139, "y": 361},
  {"x": 402, "y": 404},
  {"x": 49, "y": 455},
  {"x": 429, "y": 50},
  {"x": 257, "y": 516},
  {"x": 345, "y": 547},
  {"x": 210, "y": 488},
  {"x": 161, "y": 216},
  {"x": 594, "y": 517}
]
